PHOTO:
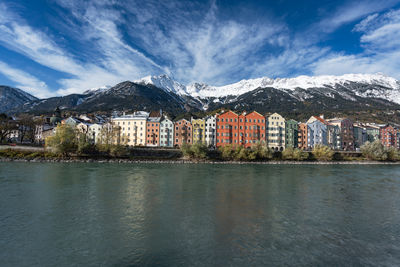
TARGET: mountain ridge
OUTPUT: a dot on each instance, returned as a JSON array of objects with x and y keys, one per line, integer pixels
[
  {"x": 322, "y": 93},
  {"x": 203, "y": 90}
]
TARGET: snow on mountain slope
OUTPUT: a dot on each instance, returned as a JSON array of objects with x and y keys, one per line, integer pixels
[
  {"x": 164, "y": 82},
  {"x": 202, "y": 90},
  {"x": 304, "y": 82},
  {"x": 97, "y": 90}
]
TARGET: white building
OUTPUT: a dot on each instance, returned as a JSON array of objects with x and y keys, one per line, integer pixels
[
  {"x": 132, "y": 128},
  {"x": 166, "y": 133},
  {"x": 94, "y": 132},
  {"x": 210, "y": 131}
]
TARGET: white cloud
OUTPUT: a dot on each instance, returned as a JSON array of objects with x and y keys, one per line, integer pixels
[
  {"x": 380, "y": 40},
  {"x": 25, "y": 81},
  {"x": 352, "y": 11},
  {"x": 192, "y": 42}
]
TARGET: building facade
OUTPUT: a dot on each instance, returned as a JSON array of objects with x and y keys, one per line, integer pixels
[
  {"x": 346, "y": 133},
  {"x": 360, "y": 136},
  {"x": 166, "y": 132},
  {"x": 317, "y": 131},
  {"x": 292, "y": 134},
  {"x": 227, "y": 128},
  {"x": 153, "y": 131},
  {"x": 304, "y": 138},
  {"x": 388, "y": 135},
  {"x": 132, "y": 128},
  {"x": 372, "y": 133},
  {"x": 94, "y": 132},
  {"x": 183, "y": 133},
  {"x": 244, "y": 129},
  {"x": 276, "y": 132},
  {"x": 199, "y": 131},
  {"x": 210, "y": 131},
  {"x": 333, "y": 136},
  {"x": 251, "y": 129}
]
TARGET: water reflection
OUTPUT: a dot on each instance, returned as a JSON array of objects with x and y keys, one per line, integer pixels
[{"x": 135, "y": 215}]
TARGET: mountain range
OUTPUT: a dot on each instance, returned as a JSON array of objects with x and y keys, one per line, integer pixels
[{"x": 351, "y": 92}]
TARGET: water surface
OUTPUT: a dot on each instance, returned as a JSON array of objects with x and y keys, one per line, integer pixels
[{"x": 60, "y": 214}]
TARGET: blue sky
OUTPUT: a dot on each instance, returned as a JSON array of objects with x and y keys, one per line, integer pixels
[{"x": 58, "y": 47}]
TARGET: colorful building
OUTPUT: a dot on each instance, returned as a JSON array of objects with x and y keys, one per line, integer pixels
[
  {"x": 244, "y": 129},
  {"x": 334, "y": 136},
  {"x": 183, "y": 133},
  {"x": 303, "y": 137},
  {"x": 318, "y": 131},
  {"x": 388, "y": 135},
  {"x": 346, "y": 132},
  {"x": 153, "y": 128},
  {"x": 252, "y": 128},
  {"x": 166, "y": 133},
  {"x": 372, "y": 133},
  {"x": 276, "y": 132},
  {"x": 210, "y": 131},
  {"x": 292, "y": 134},
  {"x": 132, "y": 128},
  {"x": 360, "y": 136},
  {"x": 199, "y": 131},
  {"x": 227, "y": 128}
]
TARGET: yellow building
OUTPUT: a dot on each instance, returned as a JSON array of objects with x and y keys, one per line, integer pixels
[
  {"x": 199, "y": 127},
  {"x": 132, "y": 128}
]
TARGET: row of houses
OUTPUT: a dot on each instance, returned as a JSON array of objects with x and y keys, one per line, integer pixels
[
  {"x": 247, "y": 129},
  {"x": 154, "y": 129}
]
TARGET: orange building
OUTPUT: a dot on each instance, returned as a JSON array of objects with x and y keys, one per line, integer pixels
[
  {"x": 183, "y": 132},
  {"x": 244, "y": 129},
  {"x": 153, "y": 129},
  {"x": 388, "y": 135},
  {"x": 303, "y": 136},
  {"x": 153, "y": 132}
]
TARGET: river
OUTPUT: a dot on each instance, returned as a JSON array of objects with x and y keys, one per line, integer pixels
[{"x": 110, "y": 214}]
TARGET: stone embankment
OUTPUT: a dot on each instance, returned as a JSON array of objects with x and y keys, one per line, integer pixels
[{"x": 184, "y": 161}]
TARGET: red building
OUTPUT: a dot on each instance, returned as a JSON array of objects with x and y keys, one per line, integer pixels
[
  {"x": 244, "y": 129},
  {"x": 183, "y": 132},
  {"x": 388, "y": 135}
]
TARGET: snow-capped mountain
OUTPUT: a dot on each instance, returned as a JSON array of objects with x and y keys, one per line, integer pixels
[
  {"x": 351, "y": 92},
  {"x": 380, "y": 85},
  {"x": 164, "y": 82}
]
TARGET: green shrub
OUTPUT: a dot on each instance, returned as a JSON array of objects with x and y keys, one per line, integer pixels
[
  {"x": 64, "y": 141},
  {"x": 294, "y": 154},
  {"x": 118, "y": 151},
  {"x": 227, "y": 152},
  {"x": 195, "y": 151},
  {"x": 244, "y": 154},
  {"x": 322, "y": 153},
  {"x": 392, "y": 154},
  {"x": 187, "y": 151},
  {"x": 375, "y": 151},
  {"x": 199, "y": 151},
  {"x": 261, "y": 151}
]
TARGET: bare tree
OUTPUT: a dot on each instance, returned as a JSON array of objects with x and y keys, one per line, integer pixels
[{"x": 7, "y": 126}]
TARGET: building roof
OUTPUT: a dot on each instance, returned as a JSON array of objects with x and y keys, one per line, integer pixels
[
  {"x": 317, "y": 118},
  {"x": 156, "y": 114}
]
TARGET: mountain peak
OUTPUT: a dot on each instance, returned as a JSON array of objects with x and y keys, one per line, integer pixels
[{"x": 164, "y": 82}]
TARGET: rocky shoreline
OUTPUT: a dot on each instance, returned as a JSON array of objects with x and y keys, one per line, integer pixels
[{"x": 185, "y": 161}]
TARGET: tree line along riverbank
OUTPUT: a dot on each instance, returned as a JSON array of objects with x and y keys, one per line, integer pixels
[{"x": 259, "y": 153}]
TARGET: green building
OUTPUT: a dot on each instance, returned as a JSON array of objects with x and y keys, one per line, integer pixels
[
  {"x": 372, "y": 134},
  {"x": 292, "y": 133}
]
